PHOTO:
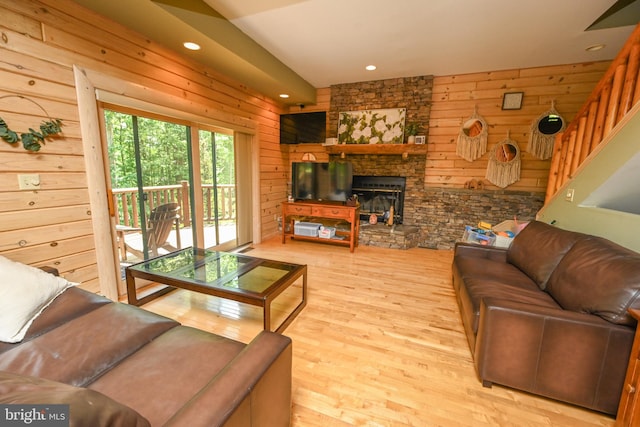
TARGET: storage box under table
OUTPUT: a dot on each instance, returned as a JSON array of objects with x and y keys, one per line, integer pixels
[
  {"x": 327, "y": 232},
  {"x": 309, "y": 229}
]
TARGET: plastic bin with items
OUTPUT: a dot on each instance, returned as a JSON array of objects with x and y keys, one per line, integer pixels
[
  {"x": 478, "y": 235},
  {"x": 506, "y": 231}
]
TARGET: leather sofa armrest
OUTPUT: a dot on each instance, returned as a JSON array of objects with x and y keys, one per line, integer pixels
[
  {"x": 570, "y": 356},
  {"x": 254, "y": 389},
  {"x": 479, "y": 251},
  {"x": 50, "y": 270}
]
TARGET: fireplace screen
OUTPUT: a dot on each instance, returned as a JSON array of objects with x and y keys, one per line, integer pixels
[{"x": 377, "y": 194}]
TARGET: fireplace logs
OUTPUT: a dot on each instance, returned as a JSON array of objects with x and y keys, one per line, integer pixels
[{"x": 377, "y": 194}]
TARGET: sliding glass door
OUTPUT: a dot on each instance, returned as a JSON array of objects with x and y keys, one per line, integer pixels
[
  {"x": 217, "y": 173},
  {"x": 150, "y": 174},
  {"x": 156, "y": 206}
]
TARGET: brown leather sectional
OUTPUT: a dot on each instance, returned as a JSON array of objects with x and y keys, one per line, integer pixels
[
  {"x": 120, "y": 365},
  {"x": 549, "y": 314}
]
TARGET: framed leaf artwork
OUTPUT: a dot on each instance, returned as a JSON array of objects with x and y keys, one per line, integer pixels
[{"x": 383, "y": 126}]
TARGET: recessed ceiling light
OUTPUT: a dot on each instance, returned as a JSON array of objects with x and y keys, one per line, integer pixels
[
  {"x": 284, "y": 95},
  {"x": 191, "y": 45},
  {"x": 370, "y": 67},
  {"x": 595, "y": 47}
]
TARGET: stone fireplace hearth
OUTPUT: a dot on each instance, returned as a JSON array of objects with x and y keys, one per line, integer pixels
[
  {"x": 434, "y": 217},
  {"x": 396, "y": 236}
]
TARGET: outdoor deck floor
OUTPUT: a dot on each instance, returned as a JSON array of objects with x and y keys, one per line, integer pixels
[{"x": 134, "y": 240}]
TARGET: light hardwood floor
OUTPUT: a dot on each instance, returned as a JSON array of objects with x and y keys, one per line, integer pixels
[{"x": 380, "y": 343}]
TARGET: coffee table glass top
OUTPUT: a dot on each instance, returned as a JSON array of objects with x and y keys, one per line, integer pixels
[{"x": 223, "y": 270}]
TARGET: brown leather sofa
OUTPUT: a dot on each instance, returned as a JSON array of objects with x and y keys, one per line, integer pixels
[
  {"x": 120, "y": 365},
  {"x": 549, "y": 314}
]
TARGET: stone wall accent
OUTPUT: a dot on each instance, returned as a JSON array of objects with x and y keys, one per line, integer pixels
[
  {"x": 412, "y": 93},
  {"x": 442, "y": 213}
]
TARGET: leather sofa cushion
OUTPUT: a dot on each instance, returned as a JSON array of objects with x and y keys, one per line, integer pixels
[
  {"x": 114, "y": 330},
  {"x": 477, "y": 288},
  {"x": 538, "y": 249},
  {"x": 87, "y": 408},
  {"x": 175, "y": 366},
  {"x": 476, "y": 277},
  {"x": 74, "y": 302},
  {"x": 467, "y": 267},
  {"x": 598, "y": 277}
]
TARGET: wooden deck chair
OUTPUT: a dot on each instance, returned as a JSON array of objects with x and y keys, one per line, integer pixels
[{"x": 161, "y": 221}]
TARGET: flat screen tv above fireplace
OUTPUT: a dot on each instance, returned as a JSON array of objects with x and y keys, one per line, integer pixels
[{"x": 303, "y": 128}]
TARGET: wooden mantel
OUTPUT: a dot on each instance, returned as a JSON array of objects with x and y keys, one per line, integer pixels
[{"x": 381, "y": 149}]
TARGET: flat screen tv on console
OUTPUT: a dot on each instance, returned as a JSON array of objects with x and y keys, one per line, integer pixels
[
  {"x": 303, "y": 128},
  {"x": 321, "y": 181}
]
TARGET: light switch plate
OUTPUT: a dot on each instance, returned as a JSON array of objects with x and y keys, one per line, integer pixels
[
  {"x": 569, "y": 195},
  {"x": 29, "y": 181}
]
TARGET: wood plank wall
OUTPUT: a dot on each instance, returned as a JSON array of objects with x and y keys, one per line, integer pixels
[
  {"x": 454, "y": 100},
  {"x": 40, "y": 42}
]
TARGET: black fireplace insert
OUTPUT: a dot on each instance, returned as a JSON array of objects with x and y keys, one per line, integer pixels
[{"x": 377, "y": 194}]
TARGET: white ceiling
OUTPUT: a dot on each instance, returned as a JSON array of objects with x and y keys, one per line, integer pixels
[
  {"x": 331, "y": 41},
  {"x": 317, "y": 43}
]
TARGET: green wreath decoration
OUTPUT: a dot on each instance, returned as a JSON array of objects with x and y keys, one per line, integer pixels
[{"x": 32, "y": 140}]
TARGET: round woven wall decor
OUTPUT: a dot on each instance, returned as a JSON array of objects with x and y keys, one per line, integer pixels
[
  {"x": 503, "y": 168},
  {"x": 543, "y": 133},
  {"x": 472, "y": 139}
]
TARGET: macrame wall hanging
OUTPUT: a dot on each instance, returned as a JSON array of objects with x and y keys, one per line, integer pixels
[
  {"x": 504, "y": 163},
  {"x": 543, "y": 133},
  {"x": 472, "y": 139}
]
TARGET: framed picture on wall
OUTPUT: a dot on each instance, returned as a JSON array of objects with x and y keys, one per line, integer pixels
[
  {"x": 512, "y": 100},
  {"x": 384, "y": 126}
]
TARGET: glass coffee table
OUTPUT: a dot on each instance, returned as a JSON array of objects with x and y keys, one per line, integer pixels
[{"x": 232, "y": 276}]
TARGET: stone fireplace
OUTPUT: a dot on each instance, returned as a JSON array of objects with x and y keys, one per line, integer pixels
[
  {"x": 377, "y": 194},
  {"x": 410, "y": 170},
  {"x": 388, "y": 179}
]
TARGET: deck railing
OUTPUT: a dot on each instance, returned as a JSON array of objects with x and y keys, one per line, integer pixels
[
  {"x": 127, "y": 212},
  {"x": 612, "y": 98}
]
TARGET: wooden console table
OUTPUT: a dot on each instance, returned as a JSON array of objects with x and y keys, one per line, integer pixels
[{"x": 306, "y": 211}]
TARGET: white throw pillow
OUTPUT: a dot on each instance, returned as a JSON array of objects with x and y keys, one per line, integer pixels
[{"x": 25, "y": 292}]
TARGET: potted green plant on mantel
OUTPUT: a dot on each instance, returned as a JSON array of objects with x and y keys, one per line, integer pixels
[{"x": 411, "y": 129}]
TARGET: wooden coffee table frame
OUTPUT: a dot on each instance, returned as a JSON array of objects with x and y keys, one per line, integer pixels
[{"x": 260, "y": 299}]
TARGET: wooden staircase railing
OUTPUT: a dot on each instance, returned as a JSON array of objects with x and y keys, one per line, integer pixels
[{"x": 611, "y": 99}]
